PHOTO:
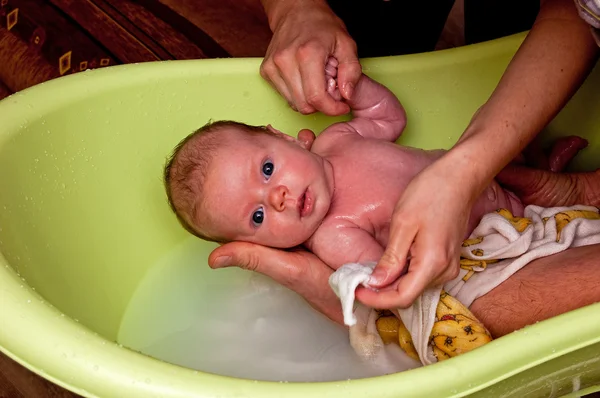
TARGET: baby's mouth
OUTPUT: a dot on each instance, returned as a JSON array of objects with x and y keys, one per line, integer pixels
[{"x": 305, "y": 204}]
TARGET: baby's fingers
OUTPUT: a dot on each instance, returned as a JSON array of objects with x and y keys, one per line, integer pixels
[
  {"x": 332, "y": 89},
  {"x": 331, "y": 67}
]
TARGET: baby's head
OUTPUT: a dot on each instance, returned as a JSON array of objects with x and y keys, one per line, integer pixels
[{"x": 230, "y": 181}]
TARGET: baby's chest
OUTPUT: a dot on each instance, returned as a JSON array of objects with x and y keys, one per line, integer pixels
[
  {"x": 372, "y": 179},
  {"x": 367, "y": 203}
]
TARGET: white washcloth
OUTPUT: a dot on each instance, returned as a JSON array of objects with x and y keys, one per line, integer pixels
[{"x": 501, "y": 241}]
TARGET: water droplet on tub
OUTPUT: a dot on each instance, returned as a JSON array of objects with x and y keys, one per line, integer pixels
[
  {"x": 28, "y": 301},
  {"x": 96, "y": 368}
]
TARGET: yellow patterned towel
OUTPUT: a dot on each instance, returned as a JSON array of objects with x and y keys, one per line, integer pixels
[{"x": 439, "y": 325}]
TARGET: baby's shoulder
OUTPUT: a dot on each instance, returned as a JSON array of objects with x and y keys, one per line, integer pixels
[
  {"x": 339, "y": 242},
  {"x": 332, "y": 232},
  {"x": 334, "y": 135}
]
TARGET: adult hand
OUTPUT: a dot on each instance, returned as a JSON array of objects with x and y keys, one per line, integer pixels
[
  {"x": 427, "y": 227},
  {"x": 299, "y": 270},
  {"x": 304, "y": 37}
]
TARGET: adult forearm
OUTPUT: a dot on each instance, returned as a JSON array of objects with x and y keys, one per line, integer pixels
[
  {"x": 277, "y": 9},
  {"x": 550, "y": 65}
]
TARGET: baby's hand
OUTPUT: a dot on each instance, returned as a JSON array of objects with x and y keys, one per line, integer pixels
[{"x": 331, "y": 79}]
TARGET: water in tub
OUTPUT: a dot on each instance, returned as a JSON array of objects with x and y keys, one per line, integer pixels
[{"x": 234, "y": 323}]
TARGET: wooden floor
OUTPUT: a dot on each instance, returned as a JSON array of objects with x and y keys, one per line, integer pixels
[{"x": 18, "y": 382}]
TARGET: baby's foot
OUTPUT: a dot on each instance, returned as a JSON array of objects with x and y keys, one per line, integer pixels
[
  {"x": 546, "y": 185},
  {"x": 331, "y": 78},
  {"x": 555, "y": 159},
  {"x": 548, "y": 189},
  {"x": 564, "y": 150}
]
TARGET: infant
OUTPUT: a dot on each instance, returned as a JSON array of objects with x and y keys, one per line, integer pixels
[{"x": 335, "y": 195}]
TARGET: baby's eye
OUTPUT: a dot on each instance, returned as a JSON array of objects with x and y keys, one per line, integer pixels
[
  {"x": 267, "y": 168},
  {"x": 258, "y": 216}
]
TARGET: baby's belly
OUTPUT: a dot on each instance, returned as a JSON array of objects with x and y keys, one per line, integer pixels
[{"x": 492, "y": 199}]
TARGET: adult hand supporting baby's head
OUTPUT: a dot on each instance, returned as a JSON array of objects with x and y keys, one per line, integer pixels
[
  {"x": 299, "y": 270},
  {"x": 428, "y": 224},
  {"x": 305, "y": 35}
]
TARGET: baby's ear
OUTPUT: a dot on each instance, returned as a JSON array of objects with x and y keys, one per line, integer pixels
[
  {"x": 276, "y": 132},
  {"x": 279, "y": 134},
  {"x": 306, "y": 138}
]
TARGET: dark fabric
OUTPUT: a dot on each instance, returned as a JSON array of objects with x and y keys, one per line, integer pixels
[
  {"x": 491, "y": 19},
  {"x": 393, "y": 27},
  {"x": 396, "y": 27}
]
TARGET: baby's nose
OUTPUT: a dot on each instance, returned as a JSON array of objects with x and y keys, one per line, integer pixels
[{"x": 278, "y": 197}]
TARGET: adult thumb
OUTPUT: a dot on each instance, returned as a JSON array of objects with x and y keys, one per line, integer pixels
[
  {"x": 389, "y": 268},
  {"x": 236, "y": 254},
  {"x": 349, "y": 68},
  {"x": 286, "y": 267}
]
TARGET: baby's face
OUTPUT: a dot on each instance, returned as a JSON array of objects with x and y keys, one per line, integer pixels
[{"x": 265, "y": 189}]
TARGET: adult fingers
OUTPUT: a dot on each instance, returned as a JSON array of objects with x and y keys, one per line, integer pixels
[
  {"x": 349, "y": 68},
  {"x": 312, "y": 59},
  {"x": 270, "y": 73},
  {"x": 402, "y": 293},
  {"x": 289, "y": 68},
  {"x": 284, "y": 267},
  {"x": 393, "y": 261}
]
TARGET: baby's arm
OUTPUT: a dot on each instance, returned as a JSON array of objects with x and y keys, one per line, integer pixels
[
  {"x": 376, "y": 111},
  {"x": 337, "y": 246}
]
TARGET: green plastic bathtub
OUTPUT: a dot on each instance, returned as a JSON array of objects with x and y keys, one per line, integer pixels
[{"x": 83, "y": 218}]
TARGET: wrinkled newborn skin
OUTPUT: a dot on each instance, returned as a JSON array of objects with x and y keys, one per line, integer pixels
[{"x": 370, "y": 174}]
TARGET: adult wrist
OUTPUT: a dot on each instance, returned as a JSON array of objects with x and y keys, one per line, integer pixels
[
  {"x": 278, "y": 10},
  {"x": 466, "y": 164}
]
